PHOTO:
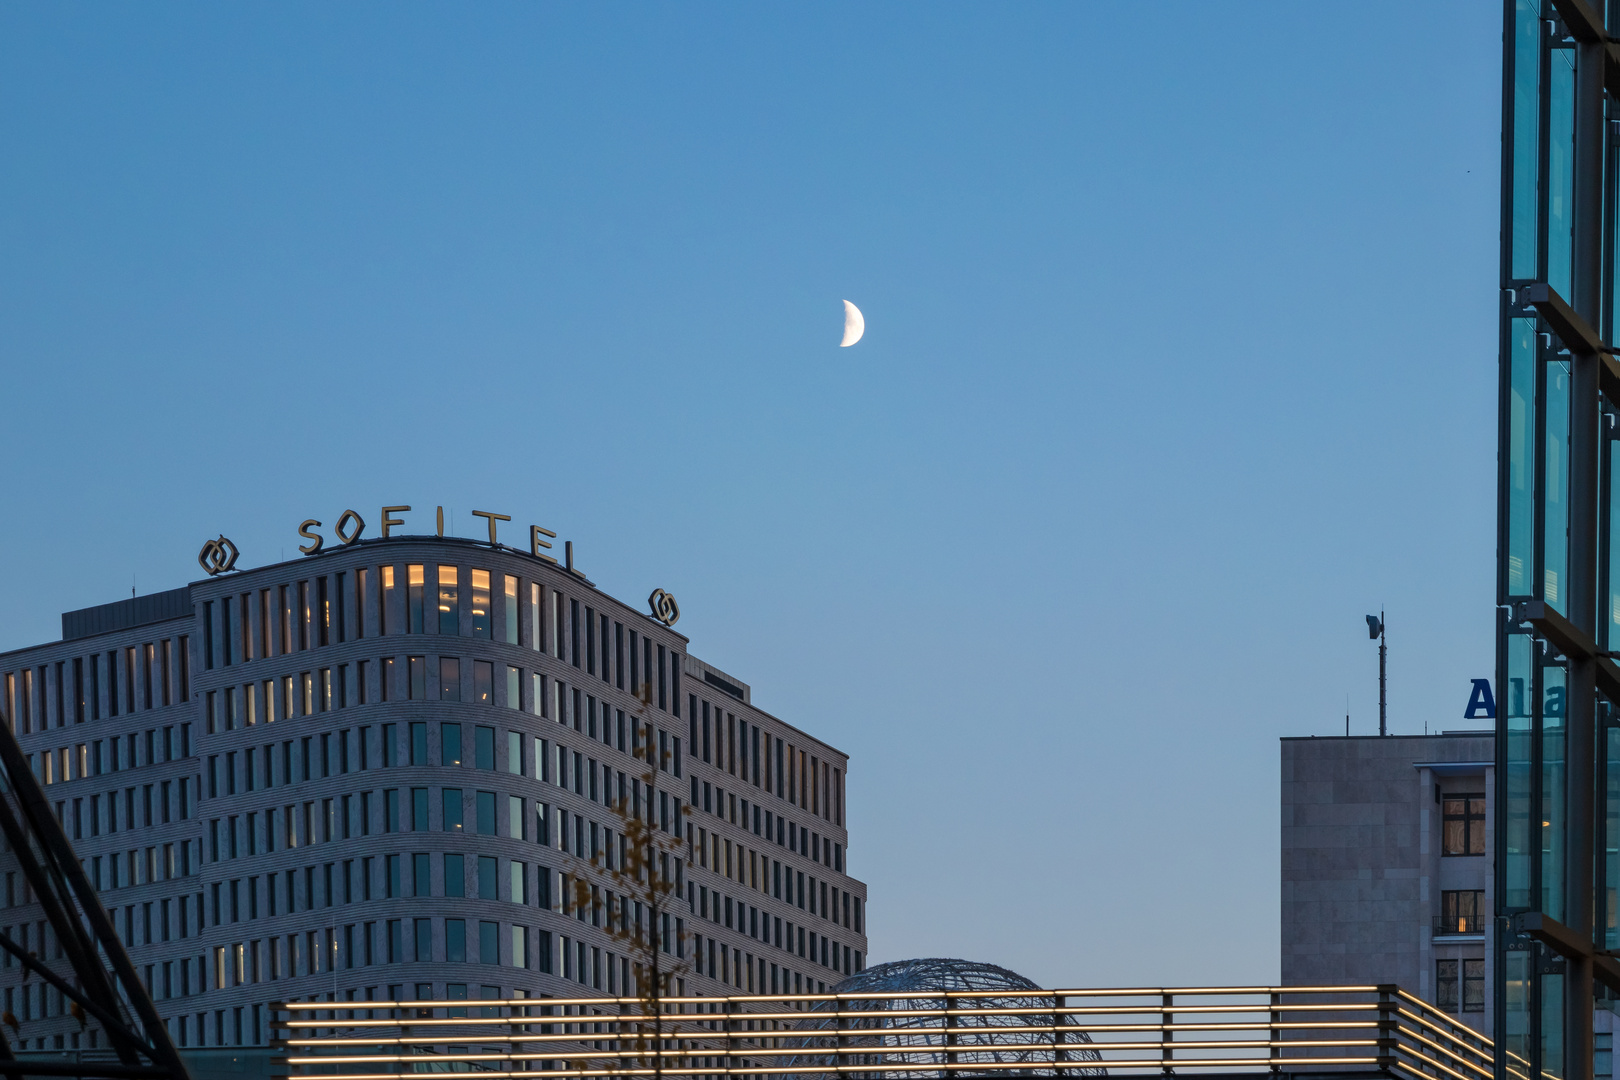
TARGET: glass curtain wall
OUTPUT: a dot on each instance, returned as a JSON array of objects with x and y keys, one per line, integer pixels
[{"x": 1539, "y": 238}]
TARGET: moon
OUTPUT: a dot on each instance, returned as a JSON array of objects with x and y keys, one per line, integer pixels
[{"x": 854, "y": 325}]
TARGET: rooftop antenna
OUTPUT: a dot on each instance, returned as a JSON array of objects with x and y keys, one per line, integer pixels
[{"x": 1375, "y": 630}]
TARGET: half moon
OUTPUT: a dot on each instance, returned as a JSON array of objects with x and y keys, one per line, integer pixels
[{"x": 854, "y": 325}]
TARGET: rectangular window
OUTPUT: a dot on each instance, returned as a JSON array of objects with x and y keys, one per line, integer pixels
[
  {"x": 360, "y": 610},
  {"x": 414, "y": 579},
  {"x": 416, "y": 668},
  {"x": 514, "y": 753},
  {"x": 1463, "y": 825},
  {"x": 419, "y": 743},
  {"x": 514, "y": 688},
  {"x": 385, "y": 599},
  {"x": 1473, "y": 985},
  {"x": 1446, "y": 985},
  {"x": 483, "y": 682},
  {"x": 514, "y": 817},
  {"x": 486, "y": 813},
  {"x": 451, "y": 804},
  {"x": 421, "y": 874},
  {"x": 509, "y": 622},
  {"x": 489, "y": 945},
  {"x": 483, "y": 747},
  {"x": 488, "y": 868},
  {"x": 537, "y": 639},
  {"x": 455, "y": 942},
  {"x": 518, "y": 882},
  {"x": 419, "y": 809},
  {"x": 449, "y": 678},
  {"x": 450, "y": 744},
  {"x": 481, "y": 620},
  {"x": 449, "y": 602},
  {"x": 455, "y": 875},
  {"x": 1461, "y": 911}
]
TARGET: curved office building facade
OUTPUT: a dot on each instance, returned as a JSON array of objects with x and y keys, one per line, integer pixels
[{"x": 381, "y": 771}]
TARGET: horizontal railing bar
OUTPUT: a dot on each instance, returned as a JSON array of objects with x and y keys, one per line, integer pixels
[
  {"x": 1156, "y": 1064},
  {"x": 875, "y": 996}
]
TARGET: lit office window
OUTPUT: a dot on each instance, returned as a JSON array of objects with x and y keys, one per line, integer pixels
[
  {"x": 449, "y": 602},
  {"x": 415, "y": 580},
  {"x": 480, "y": 602}
]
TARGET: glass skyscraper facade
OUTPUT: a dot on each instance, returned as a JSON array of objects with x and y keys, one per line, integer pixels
[{"x": 1557, "y": 830}]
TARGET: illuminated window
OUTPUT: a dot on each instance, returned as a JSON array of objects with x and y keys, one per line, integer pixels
[
  {"x": 449, "y": 602},
  {"x": 414, "y": 585},
  {"x": 480, "y": 602}
]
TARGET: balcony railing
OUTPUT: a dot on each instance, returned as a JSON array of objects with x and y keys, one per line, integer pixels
[
  {"x": 884, "y": 1036},
  {"x": 1448, "y": 925}
]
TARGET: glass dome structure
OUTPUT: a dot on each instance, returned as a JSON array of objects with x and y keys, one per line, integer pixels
[{"x": 919, "y": 1041}]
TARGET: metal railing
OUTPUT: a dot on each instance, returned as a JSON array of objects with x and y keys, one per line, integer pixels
[
  {"x": 1368, "y": 1029},
  {"x": 1445, "y": 925}
]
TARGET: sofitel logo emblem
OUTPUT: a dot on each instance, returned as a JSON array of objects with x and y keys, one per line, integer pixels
[
  {"x": 664, "y": 608},
  {"x": 217, "y": 556}
]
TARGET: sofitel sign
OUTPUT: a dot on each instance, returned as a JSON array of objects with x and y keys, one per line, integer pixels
[{"x": 218, "y": 556}]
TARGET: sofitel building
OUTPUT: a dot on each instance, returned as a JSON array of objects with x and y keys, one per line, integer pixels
[{"x": 378, "y": 772}]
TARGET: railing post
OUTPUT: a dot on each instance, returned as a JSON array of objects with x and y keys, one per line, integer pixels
[
  {"x": 1059, "y": 1036},
  {"x": 726, "y": 1028},
  {"x": 950, "y": 1033},
  {"x": 842, "y": 1040},
  {"x": 1388, "y": 1029},
  {"x": 1166, "y": 1036},
  {"x": 1276, "y": 1032}
]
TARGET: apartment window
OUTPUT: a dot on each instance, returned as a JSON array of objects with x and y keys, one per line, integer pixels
[
  {"x": 514, "y": 688},
  {"x": 449, "y": 678},
  {"x": 422, "y": 873},
  {"x": 419, "y": 743},
  {"x": 449, "y": 602},
  {"x": 450, "y": 744},
  {"x": 1463, "y": 825},
  {"x": 414, "y": 584},
  {"x": 514, "y": 753},
  {"x": 455, "y": 875},
  {"x": 480, "y": 603},
  {"x": 452, "y": 809},
  {"x": 489, "y": 951},
  {"x": 486, "y": 813},
  {"x": 416, "y": 667},
  {"x": 1461, "y": 911},
  {"x": 484, "y": 747},
  {"x": 483, "y": 682}
]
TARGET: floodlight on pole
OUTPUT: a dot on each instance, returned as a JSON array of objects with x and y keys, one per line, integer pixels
[{"x": 1375, "y": 631}]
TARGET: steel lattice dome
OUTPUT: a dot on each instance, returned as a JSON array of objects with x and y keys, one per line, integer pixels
[{"x": 1004, "y": 1040}]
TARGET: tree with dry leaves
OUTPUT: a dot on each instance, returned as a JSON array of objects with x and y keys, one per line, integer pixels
[{"x": 644, "y": 870}]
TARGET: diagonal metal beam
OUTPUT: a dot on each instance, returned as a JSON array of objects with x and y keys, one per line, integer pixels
[
  {"x": 113, "y": 1024},
  {"x": 1575, "y": 332},
  {"x": 45, "y": 891},
  {"x": 64, "y": 871},
  {"x": 1570, "y": 640},
  {"x": 1567, "y": 943}
]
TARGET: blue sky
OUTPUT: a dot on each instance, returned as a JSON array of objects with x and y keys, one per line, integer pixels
[{"x": 1180, "y": 359}]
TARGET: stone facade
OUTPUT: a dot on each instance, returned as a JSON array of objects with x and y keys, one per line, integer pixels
[{"x": 1364, "y": 874}]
